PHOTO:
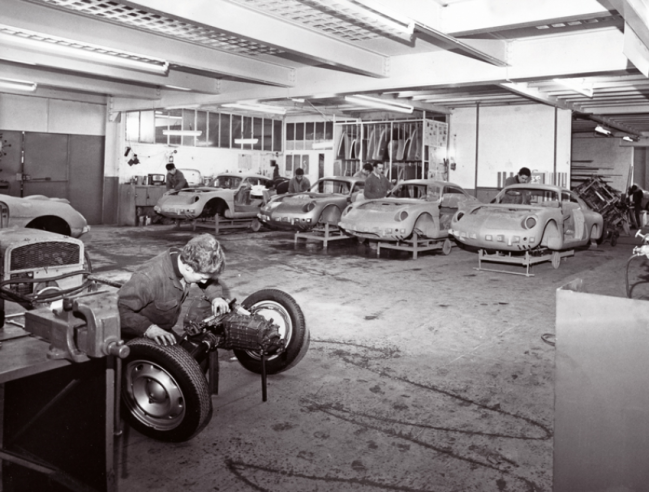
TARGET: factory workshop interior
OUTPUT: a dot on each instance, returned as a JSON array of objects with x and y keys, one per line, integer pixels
[{"x": 475, "y": 340}]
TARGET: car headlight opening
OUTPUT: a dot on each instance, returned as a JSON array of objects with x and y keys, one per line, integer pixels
[
  {"x": 529, "y": 222},
  {"x": 309, "y": 206},
  {"x": 401, "y": 215},
  {"x": 458, "y": 216}
]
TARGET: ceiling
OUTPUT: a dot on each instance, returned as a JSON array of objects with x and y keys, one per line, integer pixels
[{"x": 301, "y": 57}]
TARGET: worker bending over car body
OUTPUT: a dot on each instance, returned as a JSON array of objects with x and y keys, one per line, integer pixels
[{"x": 150, "y": 302}]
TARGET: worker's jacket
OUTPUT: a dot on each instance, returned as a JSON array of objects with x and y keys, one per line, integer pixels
[{"x": 154, "y": 295}]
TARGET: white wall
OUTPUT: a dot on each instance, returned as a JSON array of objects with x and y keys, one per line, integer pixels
[
  {"x": 508, "y": 138},
  {"x": 603, "y": 156},
  {"x": 37, "y": 114}
]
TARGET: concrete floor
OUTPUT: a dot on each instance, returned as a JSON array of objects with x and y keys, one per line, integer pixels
[{"x": 422, "y": 375}]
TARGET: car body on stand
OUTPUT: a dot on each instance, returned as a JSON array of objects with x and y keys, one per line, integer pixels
[
  {"x": 421, "y": 206},
  {"x": 322, "y": 204},
  {"x": 233, "y": 196},
  {"x": 525, "y": 217},
  {"x": 40, "y": 212}
]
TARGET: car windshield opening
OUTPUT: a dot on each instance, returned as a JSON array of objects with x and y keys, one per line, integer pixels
[
  {"x": 420, "y": 191},
  {"x": 227, "y": 182},
  {"x": 530, "y": 196},
  {"x": 331, "y": 186}
]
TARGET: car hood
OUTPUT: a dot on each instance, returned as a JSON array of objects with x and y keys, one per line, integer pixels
[
  {"x": 298, "y": 200},
  {"x": 384, "y": 210},
  {"x": 501, "y": 216}
]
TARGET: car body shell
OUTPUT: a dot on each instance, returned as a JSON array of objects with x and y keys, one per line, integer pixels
[
  {"x": 419, "y": 206},
  {"x": 40, "y": 212},
  {"x": 233, "y": 196},
  {"x": 322, "y": 204},
  {"x": 526, "y": 217}
]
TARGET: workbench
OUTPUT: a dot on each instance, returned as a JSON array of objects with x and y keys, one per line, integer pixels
[{"x": 58, "y": 418}]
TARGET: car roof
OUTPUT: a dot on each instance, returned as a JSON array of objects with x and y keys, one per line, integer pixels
[
  {"x": 428, "y": 182},
  {"x": 350, "y": 179},
  {"x": 537, "y": 186},
  {"x": 242, "y": 175}
]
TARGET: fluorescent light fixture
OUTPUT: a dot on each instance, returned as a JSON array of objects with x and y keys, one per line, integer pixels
[
  {"x": 177, "y": 88},
  {"x": 630, "y": 138},
  {"x": 372, "y": 102},
  {"x": 246, "y": 141},
  {"x": 260, "y": 108},
  {"x": 22, "y": 38},
  {"x": 582, "y": 86},
  {"x": 370, "y": 13},
  {"x": 18, "y": 85},
  {"x": 603, "y": 131},
  {"x": 328, "y": 144},
  {"x": 182, "y": 133}
]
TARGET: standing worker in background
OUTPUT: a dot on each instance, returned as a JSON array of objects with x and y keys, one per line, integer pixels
[
  {"x": 175, "y": 178},
  {"x": 523, "y": 176},
  {"x": 376, "y": 184},
  {"x": 299, "y": 183},
  {"x": 364, "y": 171},
  {"x": 635, "y": 195}
]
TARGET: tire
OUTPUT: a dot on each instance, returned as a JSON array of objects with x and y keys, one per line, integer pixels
[
  {"x": 255, "y": 225},
  {"x": 273, "y": 303},
  {"x": 164, "y": 393},
  {"x": 604, "y": 234},
  {"x": 556, "y": 260},
  {"x": 447, "y": 246}
]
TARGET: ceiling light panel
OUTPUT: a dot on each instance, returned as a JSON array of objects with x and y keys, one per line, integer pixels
[
  {"x": 160, "y": 24},
  {"x": 321, "y": 16},
  {"x": 40, "y": 41}
]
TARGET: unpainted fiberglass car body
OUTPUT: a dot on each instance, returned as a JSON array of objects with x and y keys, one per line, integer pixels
[
  {"x": 233, "y": 196},
  {"x": 528, "y": 216},
  {"x": 40, "y": 212},
  {"x": 322, "y": 204},
  {"x": 421, "y": 206}
]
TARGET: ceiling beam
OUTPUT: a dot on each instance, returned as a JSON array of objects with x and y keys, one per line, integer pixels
[
  {"x": 198, "y": 83},
  {"x": 253, "y": 25},
  {"x": 70, "y": 82},
  {"x": 55, "y": 22}
]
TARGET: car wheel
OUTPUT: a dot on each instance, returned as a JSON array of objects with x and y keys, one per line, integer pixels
[
  {"x": 164, "y": 393},
  {"x": 556, "y": 259},
  {"x": 286, "y": 313},
  {"x": 447, "y": 246},
  {"x": 604, "y": 234},
  {"x": 255, "y": 225}
]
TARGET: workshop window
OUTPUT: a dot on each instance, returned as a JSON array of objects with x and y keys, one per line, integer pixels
[{"x": 216, "y": 129}]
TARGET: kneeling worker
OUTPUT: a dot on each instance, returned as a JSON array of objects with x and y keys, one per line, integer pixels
[{"x": 150, "y": 301}]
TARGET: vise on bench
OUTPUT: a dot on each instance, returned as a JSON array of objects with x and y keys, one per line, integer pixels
[{"x": 87, "y": 326}]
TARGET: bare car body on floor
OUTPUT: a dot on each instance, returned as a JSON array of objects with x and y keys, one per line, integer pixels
[
  {"x": 322, "y": 204},
  {"x": 524, "y": 217},
  {"x": 40, "y": 212},
  {"x": 422, "y": 206},
  {"x": 233, "y": 196}
]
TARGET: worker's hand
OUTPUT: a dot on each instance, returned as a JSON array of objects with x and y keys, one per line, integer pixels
[
  {"x": 162, "y": 337},
  {"x": 220, "y": 306}
]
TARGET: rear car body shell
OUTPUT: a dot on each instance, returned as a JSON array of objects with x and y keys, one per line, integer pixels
[
  {"x": 233, "y": 196},
  {"x": 321, "y": 205},
  {"x": 40, "y": 212},
  {"x": 421, "y": 206},
  {"x": 545, "y": 216}
]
